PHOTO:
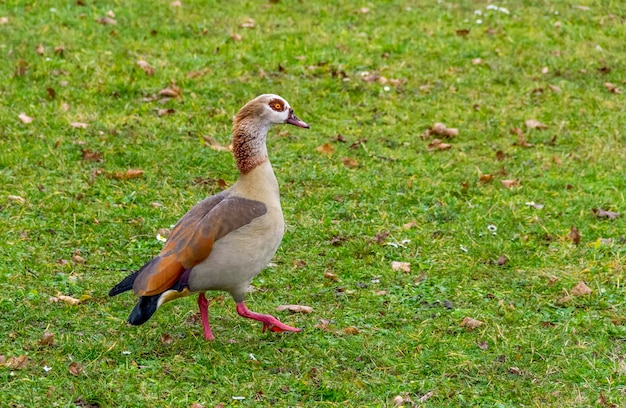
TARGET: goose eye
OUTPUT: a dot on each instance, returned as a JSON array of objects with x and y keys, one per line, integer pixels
[{"x": 277, "y": 106}]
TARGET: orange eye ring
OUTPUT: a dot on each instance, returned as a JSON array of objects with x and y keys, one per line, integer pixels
[{"x": 278, "y": 106}]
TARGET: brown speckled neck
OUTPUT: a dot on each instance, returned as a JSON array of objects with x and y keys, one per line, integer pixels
[{"x": 249, "y": 143}]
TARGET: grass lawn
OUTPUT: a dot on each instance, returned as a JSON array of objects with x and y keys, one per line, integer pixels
[{"x": 396, "y": 235}]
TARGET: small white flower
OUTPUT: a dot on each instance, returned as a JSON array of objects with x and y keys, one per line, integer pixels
[
  {"x": 492, "y": 228},
  {"x": 463, "y": 248},
  {"x": 387, "y": 88},
  {"x": 46, "y": 368},
  {"x": 161, "y": 238},
  {"x": 252, "y": 357},
  {"x": 478, "y": 12},
  {"x": 364, "y": 73},
  {"x": 126, "y": 352},
  {"x": 479, "y": 21}
]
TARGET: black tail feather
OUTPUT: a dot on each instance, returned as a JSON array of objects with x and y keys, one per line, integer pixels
[
  {"x": 144, "y": 309},
  {"x": 125, "y": 284}
]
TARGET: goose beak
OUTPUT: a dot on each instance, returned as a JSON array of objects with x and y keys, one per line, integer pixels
[{"x": 294, "y": 120}]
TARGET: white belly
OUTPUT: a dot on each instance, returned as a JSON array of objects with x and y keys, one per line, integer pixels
[{"x": 239, "y": 256}]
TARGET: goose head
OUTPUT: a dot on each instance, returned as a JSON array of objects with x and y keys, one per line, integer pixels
[{"x": 271, "y": 109}]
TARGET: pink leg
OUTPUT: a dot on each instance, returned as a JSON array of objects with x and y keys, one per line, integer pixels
[
  {"x": 203, "y": 304},
  {"x": 269, "y": 322}
]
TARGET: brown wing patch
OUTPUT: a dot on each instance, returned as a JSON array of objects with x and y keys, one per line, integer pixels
[
  {"x": 192, "y": 239},
  {"x": 277, "y": 104}
]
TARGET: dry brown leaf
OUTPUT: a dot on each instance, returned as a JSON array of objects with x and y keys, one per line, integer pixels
[
  {"x": 165, "y": 112},
  {"x": 398, "y": 400},
  {"x": 462, "y": 32},
  {"x": 381, "y": 292},
  {"x": 470, "y": 324},
  {"x": 214, "y": 144},
  {"x": 554, "y": 88},
  {"x": 612, "y": 88},
  {"x": 515, "y": 371},
  {"x": 438, "y": 144},
  {"x": 47, "y": 339},
  {"x": 295, "y": 308},
  {"x": 4, "y": 20},
  {"x": 75, "y": 368},
  {"x": 176, "y": 3},
  {"x": 600, "y": 213},
  {"x": 350, "y": 330},
  {"x": 145, "y": 66},
  {"x": 24, "y": 118},
  {"x": 198, "y": 74},
  {"x": 236, "y": 37},
  {"x": 106, "y": 20},
  {"x": 79, "y": 125},
  {"x": 17, "y": 363},
  {"x": 477, "y": 61},
  {"x": 439, "y": 129},
  {"x": 326, "y": 148},
  {"x": 128, "y": 174},
  {"x": 172, "y": 91},
  {"x": 535, "y": 124},
  {"x": 22, "y": 68},
  {"x": 90, "y": 155},
  {"x": 3, "y": 359},
  {"x": 500, "y": 155},
  {"x": 323, "y": 324},
  {"x": 166, "y": 338},
  {"x": 509, "y": 183},
  {"x": 574, "y": 235},
  {"x": 198, "y": 405},
  {"x": 502, "y": 260},
  {"x": 401, "y": 266},
  {"x": 410, "y": 224},
  {"x": 564, "y": 299},
  {"x": 581, "y": 289},
  {"x": 78, "y": 259},
  {"x": 40, "y": 50},
  {"x": 67, "y": 299},
  {"x": 16, "y": 199},
  {"x": 485, "y": 178},
  {"x": 350, "y": 162},
  {"x": 331, "y": 276},
  {"x": 249, "y": 23}
]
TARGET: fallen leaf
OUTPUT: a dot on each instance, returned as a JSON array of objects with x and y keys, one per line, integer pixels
[
  {"x": 78, "y": 259},
  {"x": 59, "y": 49},
  {"x": 502, "y": 260},
  {"x": 351, "y": 330},
  {"x": 25, "y": 118},
  {"x": 145, "y": 66},
  {"x": 22, "y": 68},
  {"x": 485, "y": 178},
  {"x": 106, "y": 20},
  {"x": 172, "y": 91},
  {"x": 176, "y": 3},
  {"x": 51, "y": 92},
  {"x": 16, "y": 198},
  {"x": 4, "y": 20},
  {"x": 554, "y": 88},
  {"x": 612, "y": 88},
  {"x": 535, "y": 124},
  {"x": 509, "y": 183},
  {"x": 500, "y": 155},
  {"x": 166, "y": 338},
  {"x": 331, "y": 276},
  {"x": 350, "y": 162},
  {"x": 483, "y": 345},
  {"x": 401, "y": 266},
  {"x": 165, "y": 112},
  {"x": 470, "y": 324},
  {"x": 295, "y": 308},
  {"x": 128, "y": 174},
  {"x": 79, "y": 125},
  {"x": 581, "y": 289},
  {"x": 323, "y": 324},
  {"x": 47, "y": 339},
  {"x": 214, "y": 144},
  {"x": 439, "y": 129},
  {"x": 462, "y": 32},
  {"x": 564, "y": 299},
  {"x": 40, "y": 50},
  {"x": 236, "y": 37},
  {"x": 600, "y": 213},
  {"x": 515, "y": 371},
  {"x": 410, "y": 224},
  {"x": 438, "y": 144},
  {"x": 326, "y": 148},
  {"x": 17, "y": 363},
  {"x": 398, "y": 400},
  {"x": 249, "y": 23},
  {"x": 574, "y": 235},
  {"x": 198, "y": 74},
  {"x": 381, "y": 292},
  {"x": 90, "y": 155},
  {"x": 75, "y": 368}
]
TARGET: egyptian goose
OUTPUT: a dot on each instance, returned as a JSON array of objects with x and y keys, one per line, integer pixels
[{"x": 224, "y": 241}]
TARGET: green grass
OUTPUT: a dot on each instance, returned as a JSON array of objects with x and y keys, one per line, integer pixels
[{"x": 531, "y": 350}]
